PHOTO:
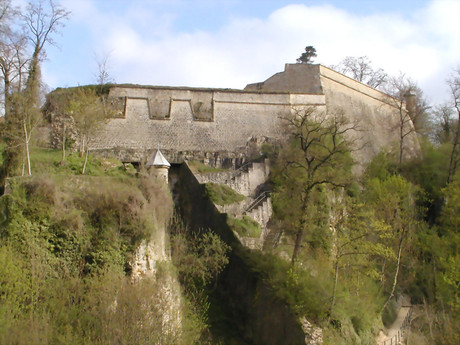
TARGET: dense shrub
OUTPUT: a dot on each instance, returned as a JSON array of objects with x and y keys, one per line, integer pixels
[{"x": 65, "y": 247}]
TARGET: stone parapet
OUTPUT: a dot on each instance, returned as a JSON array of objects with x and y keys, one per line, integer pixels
[
  {"x": 222, "y": 123},
  {"x": 194, "y": 120}
]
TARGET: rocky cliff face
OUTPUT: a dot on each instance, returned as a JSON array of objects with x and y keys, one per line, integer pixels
[{"x": 147, "y": 263}]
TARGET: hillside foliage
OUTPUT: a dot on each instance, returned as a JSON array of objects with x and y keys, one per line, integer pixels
[
  {"x": 367, "y": 243},
  {"x": 345, "y": 250},
  {"x": 66, "y": 249}
]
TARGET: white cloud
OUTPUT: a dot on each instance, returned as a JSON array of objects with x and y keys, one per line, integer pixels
[{"x": 146, "y": 49}]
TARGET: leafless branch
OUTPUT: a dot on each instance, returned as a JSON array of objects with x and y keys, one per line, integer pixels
[{"x": 42, "y": 20}]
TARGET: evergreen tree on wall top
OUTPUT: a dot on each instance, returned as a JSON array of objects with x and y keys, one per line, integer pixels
[{"x": 310, "y": 53}]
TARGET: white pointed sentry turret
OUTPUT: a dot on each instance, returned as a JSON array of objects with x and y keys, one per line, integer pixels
[{"x": 161, "y": 165}]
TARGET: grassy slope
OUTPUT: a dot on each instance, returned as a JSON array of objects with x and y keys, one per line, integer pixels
[
  {"x": 246, "y": 227},
  {"x": 222, "y": 195}
]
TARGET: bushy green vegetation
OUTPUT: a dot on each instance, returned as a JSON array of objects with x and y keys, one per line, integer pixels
[
  {"x": 199, "y": 258},
  {"x": 66, "y": 245},
  {"x": 245, "y": 227},
  {"x": 67, "y": 240},
  {"x": 222, "y": 195},
  {"x": 365, "y": 241},
  {"x": 344, "y": 250}
]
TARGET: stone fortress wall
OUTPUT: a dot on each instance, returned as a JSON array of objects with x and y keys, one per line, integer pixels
[{"x": 222, "y": 124}]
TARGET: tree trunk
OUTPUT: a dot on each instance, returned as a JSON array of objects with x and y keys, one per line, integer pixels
[
  {"x": 382, "y": 276},
  {"x": 26, "y": 147},
  {"x": 395, "y": 280},
  {"x": 336, "y": 278},
  {"x": 298, "y": 243},
  {"x": 6, "y": 91},
  {"x": 301, "y": 230},
  {"x": 82, "y": 145},
  {"x": 29, "y": 170},
  {"x": 357, "y": 286},
  {"x": 401, "y": 135},
  {"x": 86, "y": 161},
  {"x": 454, "y": 154},
  {"x": 64, "y": 127}
]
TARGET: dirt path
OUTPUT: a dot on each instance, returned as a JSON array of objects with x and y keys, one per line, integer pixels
[{"x": 392, "y": 331}]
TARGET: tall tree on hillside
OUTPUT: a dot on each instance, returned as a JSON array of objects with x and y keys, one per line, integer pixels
[
  {"x": 454, "y": 84},
  {"x": 450, "y": 256},
  {"x": 103, "y": 76},
  {"x": 360, "y": 68},
  {"x": 318, "y": 154},
  {"x": 42, "y": 19},
  {"x": 357, "y": 241},
  {"x": 13, "y": 66},
  {"x": 443, "y": 126},
  {"x": 88, "y": 110},
  {"x": 394, "y": 202},
  {"x": 103, "y": 79},
  {"x": 421, "y": 108},
  {"x": 307, "y": 57},
  {"x": 12, "y": 53},
  {"x": 407, "y": 98}
]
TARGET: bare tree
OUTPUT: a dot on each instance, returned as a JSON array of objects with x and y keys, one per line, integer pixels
[
  {"x": 454, "y": 85},
  {"x": 13, "y": 65},
  {"x": 7, "y": 55},
  {"x": 319, "y": 155},
  {"x": 24, "y": 120},
  {"x": 103, "y": 76},
  {"x": 6, "y": 12},
  {"x": 43, "y": 19},
  {"x": 402, "y": 94},
  {"x": 443, "y": 126},
  {"x": 360, "y": 68}
]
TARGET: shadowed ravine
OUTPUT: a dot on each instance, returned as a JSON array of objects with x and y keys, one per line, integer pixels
[{"x": 243, "y": 307}]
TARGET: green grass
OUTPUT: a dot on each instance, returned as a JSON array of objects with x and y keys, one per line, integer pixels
[
  {"x": 222, "y": 195},
  {"x": 49, "y": 161},
  {"x": 245, "y": 227},
  {"x": 201, "y": 168}
]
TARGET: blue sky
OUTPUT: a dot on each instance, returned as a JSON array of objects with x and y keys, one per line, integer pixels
[{"x": 230, "y": 43}]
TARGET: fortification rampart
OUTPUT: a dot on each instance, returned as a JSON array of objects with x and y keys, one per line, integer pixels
[
  {"x": 191, "y": 122},
  {"x": 378, "y": 115},
  {"x": 220, "y": 124}
]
